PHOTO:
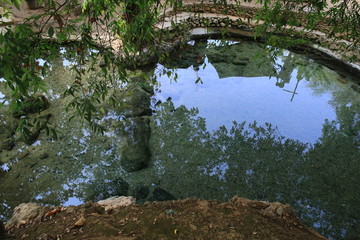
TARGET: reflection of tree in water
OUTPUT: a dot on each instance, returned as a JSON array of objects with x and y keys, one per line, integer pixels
[
  {"x": 250, "y": 59},
  {"x": 252, "y": 161},
  {"x": 246, "y": 59},
  {"x": 333, "y": 163},
  {"x": 332, "y": 168}
]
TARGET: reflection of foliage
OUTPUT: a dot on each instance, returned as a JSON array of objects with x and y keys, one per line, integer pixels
[
  {"x": 254, "y": 162},
  {"x": 250, "y": 59},
  {"x": 258, "y": 153},
  {"x": 333, "y": 166},
  {"x": 246, "y": 157}
]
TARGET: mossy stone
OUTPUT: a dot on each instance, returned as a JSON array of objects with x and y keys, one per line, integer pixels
[{"x": 135, "y": 154}]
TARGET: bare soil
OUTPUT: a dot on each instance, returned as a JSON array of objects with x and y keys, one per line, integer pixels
[{"x": 238, "y": 218}]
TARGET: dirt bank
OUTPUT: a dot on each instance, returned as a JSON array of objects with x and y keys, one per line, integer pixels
[{"x": 238, "y": 218}]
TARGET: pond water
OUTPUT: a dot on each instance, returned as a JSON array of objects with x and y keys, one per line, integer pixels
[{"x": 219, "y": 120}]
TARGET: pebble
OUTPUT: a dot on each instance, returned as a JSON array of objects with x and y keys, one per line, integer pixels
[
  {"x": 193, "y": 227},
  {"x": 280, "y": 211}
]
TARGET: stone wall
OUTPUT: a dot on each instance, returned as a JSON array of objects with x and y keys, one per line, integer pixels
[{"x": 238, "y": 20}]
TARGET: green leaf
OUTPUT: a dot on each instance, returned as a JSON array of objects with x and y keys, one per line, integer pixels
[
  {"x": 51, "y": 32},
  {"x": 54, "y": 134},
  {"x": 16, "y": 3}
]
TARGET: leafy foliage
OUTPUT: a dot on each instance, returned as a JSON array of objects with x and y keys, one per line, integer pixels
[{"x": 339, "y": 18}]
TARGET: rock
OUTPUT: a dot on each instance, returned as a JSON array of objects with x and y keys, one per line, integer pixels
[
  {"x": 135, "y": 154},
  {"x": 280, "y": 211},
  {"x": 269, "y": 209},
  {"x": 116, "y": 202},
  {"x": 249, "y": 203},
  {"x": 25, "y": 213},
  {"x": 140, "y": 191},
  {"x": 277, "y": 209},
  {"x": 160, "y": 194},
  {"x": 193, "y": 227},
  {"x": 334, "y": 46},
  {"x": 103, "y": 190},
  {"x": 91, "y": 208},
  {"x": 169, "y": 212}
]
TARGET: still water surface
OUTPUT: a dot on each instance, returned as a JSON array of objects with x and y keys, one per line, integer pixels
[{"x": 224, "y": 120}]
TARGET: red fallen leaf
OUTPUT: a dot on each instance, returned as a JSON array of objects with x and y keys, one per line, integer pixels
[{"x": 53, "y": 212}]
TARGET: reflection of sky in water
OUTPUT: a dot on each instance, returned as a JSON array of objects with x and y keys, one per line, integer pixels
[
  {"x": 67, "y": 63},
  {"x": 73, "y": 201},
  {"x": 218, "y": 43},
  {"x": 2, "y": 95},
  {"x": 221, "y": 101}
]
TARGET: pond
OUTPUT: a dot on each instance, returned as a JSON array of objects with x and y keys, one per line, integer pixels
[{"x": 217, "y": 119}]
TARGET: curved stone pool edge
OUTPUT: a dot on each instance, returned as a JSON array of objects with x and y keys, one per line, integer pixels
[
  {"x": 316, "y": 52},
  {"x": 335, "y": 53}
]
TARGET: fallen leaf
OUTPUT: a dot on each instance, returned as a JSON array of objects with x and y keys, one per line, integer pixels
[
  {"x": 80, "y": 222},
  {"x": 53, "y": 212}
]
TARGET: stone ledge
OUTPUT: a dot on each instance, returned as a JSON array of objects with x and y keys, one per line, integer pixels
[{"x": 198, "y": 22}]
